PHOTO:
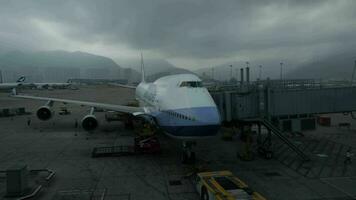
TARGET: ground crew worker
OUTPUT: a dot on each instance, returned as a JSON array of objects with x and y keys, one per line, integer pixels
[
  {"x": 348, "y": 156},
  {"x": 76, "y": 123},
  {"x": 28, "y": 121},
  {"x": 76, "y": 127}
]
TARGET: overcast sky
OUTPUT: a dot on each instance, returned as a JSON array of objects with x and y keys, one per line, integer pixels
[{"x": 188, "y": 33}]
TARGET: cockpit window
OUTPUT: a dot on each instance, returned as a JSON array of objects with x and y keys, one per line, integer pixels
[{"x": 194, "y": 84}]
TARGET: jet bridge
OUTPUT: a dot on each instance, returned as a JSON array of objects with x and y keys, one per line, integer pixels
[
  {"x": 269, "y": 102},
  {"x": 271, "y": 99}
]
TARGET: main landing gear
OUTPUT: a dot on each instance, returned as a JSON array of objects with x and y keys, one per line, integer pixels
[{"x": 188, "y": 155}]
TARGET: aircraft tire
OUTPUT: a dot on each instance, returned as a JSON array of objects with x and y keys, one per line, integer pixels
[
  {"x": 192, "y": 158},
  {"x": 269, "y": 155},
  {"x": 184, "y": 158}
]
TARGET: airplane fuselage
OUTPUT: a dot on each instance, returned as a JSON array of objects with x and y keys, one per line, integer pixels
[
  {"x": 181, "y": 106},
  {"x": 9, "y": 85}
]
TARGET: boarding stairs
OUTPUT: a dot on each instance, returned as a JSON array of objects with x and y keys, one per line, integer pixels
[{"x": 277, "y": 132}]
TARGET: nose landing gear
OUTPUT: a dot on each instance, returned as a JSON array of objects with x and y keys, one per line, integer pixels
[{"x": 188, "y": 155}]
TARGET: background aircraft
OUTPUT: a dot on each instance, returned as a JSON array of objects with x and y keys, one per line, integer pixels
[{"x": 21, "y": 83}]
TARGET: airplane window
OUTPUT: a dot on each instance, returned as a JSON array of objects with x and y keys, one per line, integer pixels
[
  {"x": 191, "y": 84},
  {"x": 184, "y": 84}
]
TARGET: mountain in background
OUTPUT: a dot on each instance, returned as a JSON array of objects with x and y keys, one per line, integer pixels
[
  {"x": 53, "y": 66},
  {"x": 155, "y": 68},
  {"x": 55, "y": 59},
  {"x": 337, "y": 66},
  {"x": 59, "y": 66}
]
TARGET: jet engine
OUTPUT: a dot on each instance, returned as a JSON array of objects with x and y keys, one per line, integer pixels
[
  {"x": 44, "y": 113},
  {"x": 89, "y": 122}
]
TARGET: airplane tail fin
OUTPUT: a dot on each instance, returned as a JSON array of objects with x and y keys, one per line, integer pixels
[
  {"x": 142, "y": 69},
  {"x": 21, "y": 79}
]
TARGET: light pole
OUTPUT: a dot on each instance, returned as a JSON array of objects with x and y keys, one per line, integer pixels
[
  {"x": 260, "y": 73},
  {"x": 281, "y": 75},
  {"x": 237, "y": 74},
  {"x": 212, "y": 73},
  {"x": 353, "y": 74},
  {"x": 247, "y": 73},
  {"x": 230, "y": 73}
]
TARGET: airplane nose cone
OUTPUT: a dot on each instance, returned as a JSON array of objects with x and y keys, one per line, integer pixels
[
  {"x": 209, "y": 116},
  {"x": 214, "y": 121},
  {"x": 208, "y": 120},
  {"x": 209, "y": 130},
  {"x": 204, "y": 121}
]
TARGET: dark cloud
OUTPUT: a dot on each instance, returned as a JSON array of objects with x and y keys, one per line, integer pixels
[{"x": 188, "y": 32}]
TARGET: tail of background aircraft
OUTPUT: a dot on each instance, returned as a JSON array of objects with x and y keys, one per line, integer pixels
[
  {"x": 21, "y": 79},
  {"x": 142, "y": 69}
]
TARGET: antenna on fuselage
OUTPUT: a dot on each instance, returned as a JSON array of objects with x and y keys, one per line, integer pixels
[{"x": 142, "y": 69}]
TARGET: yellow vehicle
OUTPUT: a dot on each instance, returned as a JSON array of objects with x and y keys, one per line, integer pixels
[{"x": 223, "y": 185}]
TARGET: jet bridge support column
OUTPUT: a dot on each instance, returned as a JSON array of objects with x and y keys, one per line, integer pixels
[
  {"x": 261, "y": 109},
  {"x": 264, "y": 145},
  {"x": 246, "y": 138},
  {"x": 228, "y": 106},
  {"x": 259, "y": 136}
]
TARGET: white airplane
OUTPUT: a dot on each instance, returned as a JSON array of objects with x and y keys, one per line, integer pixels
[
  {"x": 178, "y": 104},
  {"x": 48, "y": 85},
  {"x": 19, "y": 82}
]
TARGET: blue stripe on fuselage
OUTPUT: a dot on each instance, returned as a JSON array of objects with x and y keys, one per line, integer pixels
[{"x": 189, "y": 122}]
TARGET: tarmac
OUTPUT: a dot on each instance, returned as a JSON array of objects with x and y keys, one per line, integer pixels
[{"x": 59, "y": 146}]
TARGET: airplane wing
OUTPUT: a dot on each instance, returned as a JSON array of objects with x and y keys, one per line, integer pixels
[
  {"x": 124, "y": 86},
  {"x": 113, "y": 107}
]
